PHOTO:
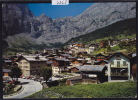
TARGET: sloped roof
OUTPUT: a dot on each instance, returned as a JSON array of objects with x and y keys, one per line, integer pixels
[
  {"x": 33, "y": 58},
  {"x": 97, "y": 62},
  {"x": 71, "y": 57},
  {"x": 75, "y": 78},
  {"x": 93, "y": 68},
  {"x": 116, "y": 54},
  {"x": 6, "y": 70},
  {"x": 7, "y": 61},
  {"x": 66, "y": 55},
  {"x": 49, "y": 62},
  {"x": 62, "y": 59},
  {"x": 100, "y": 54},
  {"x": 80, "y": 59}
]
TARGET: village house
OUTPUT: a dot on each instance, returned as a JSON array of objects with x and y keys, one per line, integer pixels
[
  {"x": 51, "y": 51},
  {"x": 14, "y": 58},
  {"x": 30, "y": 65},
  {"x": 81, "y": 54},
  {"x": 6, "y": 72},
  {"x": 93, "y": 59},
  {"x": 60, "y": 65},
  {"x": 103, "y": 43},
  {"x": 101, "y": 62},
  {"x": 88, "y": 61},
  {"x": 65, "y": 55},
  {"x": 91, "y": 73},
  {"x": 74, "y": 62},
  {"x": 92, "y": 47},
  {"x": 100, "y": 57},
  {"x": 6, "y": 63},
  {"x": 118, "y": 67}
]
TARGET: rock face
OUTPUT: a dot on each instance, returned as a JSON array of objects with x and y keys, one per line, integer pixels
[{"x": 18, "y": 19}]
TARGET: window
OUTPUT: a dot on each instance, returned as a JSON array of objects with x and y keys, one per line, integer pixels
[
  {"x": 25, "y": 66},
  {"x": 118, "y": 57},
  {"x": 20, "y": 62},
  {"x": 118, "y": 63},
  {"x": 33, "y": 66},
  {"x": 25, "y": 62},
  {"x": 124, "y": 63},
  {"x": 112, "y": 63}
]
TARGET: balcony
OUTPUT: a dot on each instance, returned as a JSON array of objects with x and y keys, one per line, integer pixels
[
  {"x": 118, "y": 66},
  {"x": 119, "y": 74}
]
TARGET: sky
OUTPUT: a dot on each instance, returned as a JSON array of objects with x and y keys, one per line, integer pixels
[{"x": 56, "y": 11}]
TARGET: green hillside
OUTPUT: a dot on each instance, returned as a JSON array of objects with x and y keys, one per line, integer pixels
[
  {"x": 105, "y": 90},
  {"x": 121, "y": 29}
]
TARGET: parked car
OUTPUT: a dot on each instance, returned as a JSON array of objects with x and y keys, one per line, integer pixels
[
  {"x": 21, "y": 76},
  {"x": 58, "y": 76},
  {"x": 24, "y": 77},
  {"x": 28, "y": 77},
  {"x": 12, "y": 82},
  {"x": 6, "y": 81}
]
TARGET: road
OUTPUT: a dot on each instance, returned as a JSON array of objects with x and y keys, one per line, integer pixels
[{"x": 29, "y": 87}]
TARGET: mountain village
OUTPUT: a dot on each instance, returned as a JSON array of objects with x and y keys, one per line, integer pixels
[
  {"x": 89, "y": 55},
  {"x": 75, "y": 64}
]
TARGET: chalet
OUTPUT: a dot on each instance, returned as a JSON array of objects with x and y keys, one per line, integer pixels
[
  {"x": 118, "y": 67},
  {"x": 75, "y": 63},
  {"x": 103, "y": 43},
  {"x": 100, "y": 57},
  {"x": 101, "y": 62},
  {"x": 51, "y": 51},
  {"x": 91, "y": 49},
  {"x": 30, "y": 65},
  {"x": 7, "y": 63},
  {"x": 88, "y": 61},
  {"x": 93, "y": 59},
  {"x": 71, "y": 58},
  {"x": 82, "y": 61},
  {"x": 49, "y": 63},
  {"x": 14, "y": 58},
  {"x": 51, "y": 56},
  {"x": 59, "y": 65},
  {"x": 71, "y": 81},
  {"x": 6, "y": 72},
  {"x": 65, "y": 55},
  {"x": 82, "y": 54},
  {"x": 92, "y": 73}
]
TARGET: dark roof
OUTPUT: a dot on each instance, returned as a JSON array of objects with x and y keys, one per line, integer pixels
[
  {"x": 75, "y": 78},
  {"x": 62, "y": 59},
  {"x": 116, "y": 54},
  {"x": 100, "y": 54},
  {"x": 6, "y": 70},
  {"x": 93, "y": 68},
  {"x": 49, "y": 62},
  {"x": 71, "y": 57},
  {"x": 97, "y": 62},
  {"x": 7, "y": 61},
  {"x": 66, "y": 55}
]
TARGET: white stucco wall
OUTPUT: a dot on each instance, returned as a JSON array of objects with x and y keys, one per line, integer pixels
[{"x": 113, "y": 59}]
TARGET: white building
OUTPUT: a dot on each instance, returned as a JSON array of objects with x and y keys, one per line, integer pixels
[{"x": 118, "y": 67}]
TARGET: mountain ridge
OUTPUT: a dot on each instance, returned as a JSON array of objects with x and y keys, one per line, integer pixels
[{"x": 47, "y": 30}]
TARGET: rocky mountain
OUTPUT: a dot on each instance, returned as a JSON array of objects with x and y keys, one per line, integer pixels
[{"x": 19, "y": 22}]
